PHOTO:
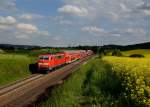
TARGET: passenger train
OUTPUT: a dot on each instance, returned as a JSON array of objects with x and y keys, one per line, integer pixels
[{"x": 48, "y": 62}]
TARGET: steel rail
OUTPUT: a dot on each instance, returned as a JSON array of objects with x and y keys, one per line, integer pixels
[{"x": 24, "y": 92}]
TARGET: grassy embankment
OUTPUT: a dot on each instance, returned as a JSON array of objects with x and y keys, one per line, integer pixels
[
  {"x": 14, "y": 67},
  {"x": 111, "y": 82},
  {"x": 93, "y": 85},
  {"x": 114, "y": 82}
]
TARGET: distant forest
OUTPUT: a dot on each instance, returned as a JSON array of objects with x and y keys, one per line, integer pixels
[{"x": 94, "y": 48}]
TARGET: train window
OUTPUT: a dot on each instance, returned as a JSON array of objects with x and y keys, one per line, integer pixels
[
  {"x": 59, "y": 57},
  {"x": 44, "y": 58}
]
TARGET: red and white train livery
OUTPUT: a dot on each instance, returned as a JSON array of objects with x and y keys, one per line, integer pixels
[{"x": 47, "y": 62}]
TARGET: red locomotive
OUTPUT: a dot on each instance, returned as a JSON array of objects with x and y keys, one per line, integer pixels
[{"x": 47, "y": 62}]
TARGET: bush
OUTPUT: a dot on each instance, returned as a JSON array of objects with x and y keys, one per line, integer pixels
[
  {"x": 116, "y": 53},
  {"x": 101, "y": 55},
  {"x": 137, "y": 56}
]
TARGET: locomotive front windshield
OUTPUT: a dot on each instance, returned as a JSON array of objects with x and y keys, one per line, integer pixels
[{"x": 44, "y": 58}]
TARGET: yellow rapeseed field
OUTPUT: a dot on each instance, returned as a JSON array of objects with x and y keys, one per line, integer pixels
[{"x": 134, "y": 74}]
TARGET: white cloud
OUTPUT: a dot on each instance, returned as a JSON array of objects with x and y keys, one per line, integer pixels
[
  {"x": 97, "y": 9},
  {"x": 124, "y": 8},
  {"x": 125, "y": 15},
  {"x": 73, "y": 10},
  {"x": 65, "y": 22},
  {"x": 145, "y": 7},
  {"x": 26, "y": 31},
  {"x": 114, "y": 16},
  {"x": 22, "y": 36},
  {"x": 27, "y": 27},
  {"x": 114, "y": 33},
  {"x": 147, "y": 12},
  {"x": 92, "y": 29},
  {"x": 26, "y": 16},
  {"x": 30, "y": 16},
  {"x": 129, "y": 31},
  {"x": 135, "y": 31},
  {"x": 57, "y": 38},
  {"x": 2, "y": 27},
  {"x": 27, "y": 35},
  {"x": 7, "y": 20},
  {"x": 45, "y": 33},
  {"x": 8, "y": 5}
]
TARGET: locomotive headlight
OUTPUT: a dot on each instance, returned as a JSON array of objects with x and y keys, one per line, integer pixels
[{"x": 43, "y": 63}]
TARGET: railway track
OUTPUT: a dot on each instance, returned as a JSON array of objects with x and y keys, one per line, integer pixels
[
  {"x": 25, "y": 91},
  {"x": 18, "y": 84}
]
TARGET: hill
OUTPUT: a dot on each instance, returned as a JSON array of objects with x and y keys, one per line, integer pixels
[
  {"x": 128, "y": 47},
  {"x": 12, "y": 47},
  {"x": 145, "y": 52},
  {"x": 94, "y": 48}
]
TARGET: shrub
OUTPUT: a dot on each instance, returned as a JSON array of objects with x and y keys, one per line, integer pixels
[
  {"x": 116, "y": 53},
  {"x": 137, "y": 56},
  {"x": 1, "y": 51},
  {"x": 101, "y": 55}
]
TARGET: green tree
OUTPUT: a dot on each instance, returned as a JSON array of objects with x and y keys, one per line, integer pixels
[{"x": 116, "y": 52}]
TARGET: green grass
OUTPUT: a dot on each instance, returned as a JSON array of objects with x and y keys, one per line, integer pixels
[
  {"x": 99, "y": 84},
  {"x": 145, "y": 52},
  {"x": 93, "y": 85},
  {"x": 101, "y": 87},
  {"x": 14, "y": 64},
  {"x": 14, "y": 67},
  {"x": 67, "y": 94}
]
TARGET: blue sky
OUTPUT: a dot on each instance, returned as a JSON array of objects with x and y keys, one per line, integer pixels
[
  {"x": 44, "y": 7},
  {"x": 74, "y": 22}
]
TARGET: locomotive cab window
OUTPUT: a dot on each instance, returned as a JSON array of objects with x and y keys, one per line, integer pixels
[{"x": 44, "y": 58}]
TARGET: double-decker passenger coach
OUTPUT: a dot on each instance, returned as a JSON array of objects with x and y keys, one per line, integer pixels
[{"x": 48, "y": 62}]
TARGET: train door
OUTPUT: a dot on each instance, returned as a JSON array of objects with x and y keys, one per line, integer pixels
[
  {"x": 52, "y": 62},
  {"x": 59, "y": 60}
]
